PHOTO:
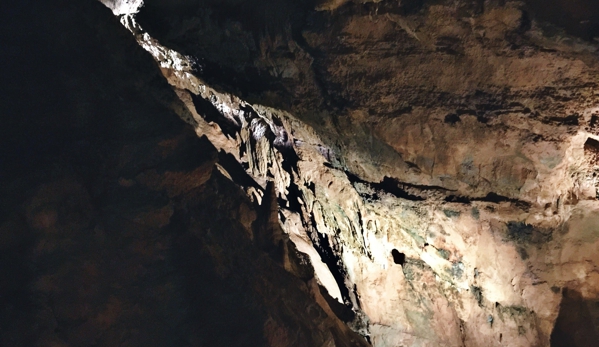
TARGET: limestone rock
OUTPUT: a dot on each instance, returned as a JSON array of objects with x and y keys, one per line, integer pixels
[
  {"x": 454, "y": 136},
  {"x": 399, "y": 173}
]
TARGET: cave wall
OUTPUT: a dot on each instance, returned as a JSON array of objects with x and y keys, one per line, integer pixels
[
  {"x": 116, "y": 226},
  {"x": 456, "y": 134},
  {"x": 420, "y": 173}
]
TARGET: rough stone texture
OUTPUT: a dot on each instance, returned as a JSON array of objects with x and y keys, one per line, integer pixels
[
  {"x": 434, "y": 161},
  {"x": 456, "y": 135},
  {"x": 123, "y": 7},
  {"x": 117, "y": 227}
]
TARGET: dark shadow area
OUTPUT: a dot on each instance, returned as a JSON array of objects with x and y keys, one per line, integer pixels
[
  {"x": 571, "y": 120},
  {"x": 577, "y": 324},
  {"x": 452, "y": 119},
  {"x": 398, "y": 257},
  {"x": 492, "y": 198},
  {"x": 16, "y": 305},
  {"x": 236, "y": 171},
  {"x": 211, "y": 114},
  {"x": 255, "y": 18},
  {"x": 293, "y": 198},
  {"x": 577, "y": 17},
  {"x": 259, "y": 16},
  {"x": 522, "y": 233},
  {"x": 388, "y": 185},
  {"x": 217, "y": 308},
  {"x": 591, "y": 151},
  {"x": 343, "y": 312},
  {"x": 391, "y": 183},
  {"x": 115, "y": 229},
  {"x": 334, "y": 263}
]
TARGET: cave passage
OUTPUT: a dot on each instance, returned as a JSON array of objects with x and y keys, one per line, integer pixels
[
  {"x": 398, "y": 257},
  {"x": 577, "y": 324}
]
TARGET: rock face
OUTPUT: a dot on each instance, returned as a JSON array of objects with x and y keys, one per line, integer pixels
[
  {"x": 399, "y": 173},
  {"x": 116, "y": 226}
]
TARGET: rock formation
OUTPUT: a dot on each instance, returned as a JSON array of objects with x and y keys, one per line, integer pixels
[{"x": 392, "y": 173}]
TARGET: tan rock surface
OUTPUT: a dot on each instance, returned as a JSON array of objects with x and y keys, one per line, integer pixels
[
  {"x": 476, "y": 124},
  {"x": 452, "y": 138}
]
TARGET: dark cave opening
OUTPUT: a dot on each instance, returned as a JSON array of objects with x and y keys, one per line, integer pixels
[
  {"x": 452, "y": 119},
  {"x": 577, "y": 324},
  {"x": 398, "y": 257},
  {"x": 577, "y": 17}
]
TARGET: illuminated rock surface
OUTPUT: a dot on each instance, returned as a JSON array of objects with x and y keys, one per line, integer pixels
[{"x": 420, "y": 173}]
